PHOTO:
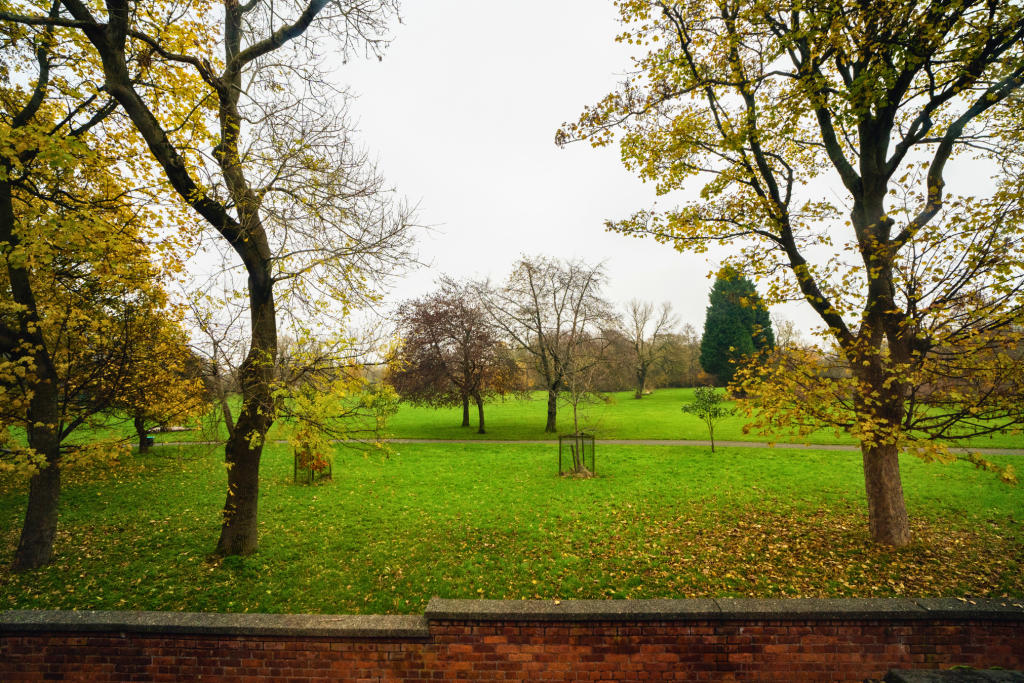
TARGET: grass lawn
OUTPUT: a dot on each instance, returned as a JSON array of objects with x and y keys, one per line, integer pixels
[
  {"x": 496, "y": 521},
  {"x": 657, "y": 416}
]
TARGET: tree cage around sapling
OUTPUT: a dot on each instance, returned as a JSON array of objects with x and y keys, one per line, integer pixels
[
  {"x": 576, "y": 455},
  {"x": 310, "y": 464}
]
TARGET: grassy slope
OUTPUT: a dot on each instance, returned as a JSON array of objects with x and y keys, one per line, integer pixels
[{"x": 495, "y": 521}]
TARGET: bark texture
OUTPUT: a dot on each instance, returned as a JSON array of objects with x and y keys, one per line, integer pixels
[
  {"x": 244, "y": 449},
  {"x": 887, "y": 513},
  {"x": 35, "y": 547}
]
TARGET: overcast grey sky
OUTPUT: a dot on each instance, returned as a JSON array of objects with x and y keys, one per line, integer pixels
[{"x": 462, "y": 114}]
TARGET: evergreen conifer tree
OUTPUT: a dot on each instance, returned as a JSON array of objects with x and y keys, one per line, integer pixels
[{"x": 737, "y": 325}]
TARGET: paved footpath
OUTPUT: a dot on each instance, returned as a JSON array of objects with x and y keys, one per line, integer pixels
[
  {"x": 720, "y": 444},
  {"x": 649, "y": 442}
]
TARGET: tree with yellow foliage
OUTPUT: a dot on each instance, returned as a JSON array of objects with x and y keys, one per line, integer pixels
[
  {"x": 771, "y": 107},
  {"x": 167, "y": 386},
  {"x": 305, "y": 218},
  {"x": 324, "y": 404},
  {"x": 76, "y": 276},
  {"x": 74, "y": 311}
]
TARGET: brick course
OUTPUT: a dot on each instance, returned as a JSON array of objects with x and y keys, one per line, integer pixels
[
  {"x": 499, "y": 651},
  {"x": 500, "y": 646}
]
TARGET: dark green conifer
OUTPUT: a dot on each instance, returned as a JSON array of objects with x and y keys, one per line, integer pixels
[{"x": 737, "y": 325}]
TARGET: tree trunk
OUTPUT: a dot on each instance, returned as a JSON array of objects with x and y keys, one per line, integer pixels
[
  {"x": 35, "y": 547},
  {"x": 641, "y": 382},
  {"x": 480, "y": 412},
  {"x": 579, "y": 456},
  {"x": 887, "y": 513},
  {"x": 245, "y": 234},
  {"x": 881, "y": 403},
  {"x": 465, "y": 411},
  {"x": 552, "y": 412},
  {"x": 239, "y": 534},
  {"x": 140, "y": 431}
]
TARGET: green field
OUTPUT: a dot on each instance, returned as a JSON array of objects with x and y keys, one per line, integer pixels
[
  {"x": 657, "y": 416},
  {"x": 496, "y": 521}
]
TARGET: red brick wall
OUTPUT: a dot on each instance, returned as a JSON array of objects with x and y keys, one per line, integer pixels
[{"x": 475, "y": 650}]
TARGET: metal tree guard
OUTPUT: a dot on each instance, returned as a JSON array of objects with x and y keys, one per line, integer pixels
[
  {"x": 574, "y": 450},
  {"x": 308, "y": 464}
]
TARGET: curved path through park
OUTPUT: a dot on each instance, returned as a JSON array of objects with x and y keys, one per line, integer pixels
[{"x": 719, "y": 444}]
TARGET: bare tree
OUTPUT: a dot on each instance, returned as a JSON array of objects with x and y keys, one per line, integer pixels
[
  {"x": 787, "y": 334},
  {"x": 549, "y": 307},
  {"x": 615, "y": 372},
  {"x": 682, "y": 359},
  {"x": 648, "y": 350},
  {"x": 581, "y": 368}
]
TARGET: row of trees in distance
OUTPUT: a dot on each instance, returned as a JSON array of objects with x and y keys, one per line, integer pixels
[{"x": 549, "y": 327}]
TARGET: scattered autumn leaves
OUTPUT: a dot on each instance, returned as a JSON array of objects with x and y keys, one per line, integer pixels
[
  {"x": 641, "y": 552},
  {"x": 387, "y": 538},
  {"x": 825, "y": 552}
]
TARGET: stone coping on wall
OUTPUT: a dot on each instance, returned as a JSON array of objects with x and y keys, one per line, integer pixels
[
  {"x": 205, "y": 623},
  {"x": 724, "y": 609},
  {"x": 417, "y": 626}
]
